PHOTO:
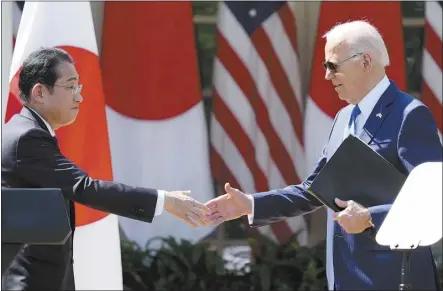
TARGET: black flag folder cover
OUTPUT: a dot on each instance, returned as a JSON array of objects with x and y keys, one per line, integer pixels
[{"x": 356, "y": 172}]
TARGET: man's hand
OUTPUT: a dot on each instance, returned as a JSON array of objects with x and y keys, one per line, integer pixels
[
  {"x": 354, "y": 218},
  {"x": 231, "y": 205},
  {"x": 178, "y": 203}
]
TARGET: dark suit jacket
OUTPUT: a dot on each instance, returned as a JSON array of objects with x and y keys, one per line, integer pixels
[
  {"x": 406, "y": 135},
  {"x": 31, "y": 158}
]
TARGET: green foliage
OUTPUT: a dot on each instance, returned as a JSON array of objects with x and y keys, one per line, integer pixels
[
  {"x": 205, "y": 7},
  {"x": 206, "y": 46},
  {"x": 288, "y": 266},
  {"x": 184, "y": 266}
]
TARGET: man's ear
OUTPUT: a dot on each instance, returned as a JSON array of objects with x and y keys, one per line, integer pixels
[
  {"x": 38, "y": 92},
  {"x": 367, "y": 62}
]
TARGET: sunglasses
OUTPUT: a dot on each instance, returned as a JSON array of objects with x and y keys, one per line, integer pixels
[{"x": 333, "y": 67}]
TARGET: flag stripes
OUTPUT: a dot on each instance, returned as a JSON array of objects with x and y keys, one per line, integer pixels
[
  {"x": 257, "y": 125},
  {"x": 431, "y": 93}
]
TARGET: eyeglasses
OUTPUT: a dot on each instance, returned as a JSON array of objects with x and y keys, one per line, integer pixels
[
  {"x": 76, "y": 89},
  {"x": 333, "y": 67}
]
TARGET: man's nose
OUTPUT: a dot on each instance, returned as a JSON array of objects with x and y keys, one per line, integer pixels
[
  {"x": 78, "y": 98},
  {"x": 329, "y": 75}
]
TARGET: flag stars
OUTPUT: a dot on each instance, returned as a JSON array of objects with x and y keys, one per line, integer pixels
[{"x": 252, "y": 13}]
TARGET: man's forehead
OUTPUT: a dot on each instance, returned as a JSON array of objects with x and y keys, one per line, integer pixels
[
  {"x": 67, "y": 71},
  {"x": 336, "y": 49}
]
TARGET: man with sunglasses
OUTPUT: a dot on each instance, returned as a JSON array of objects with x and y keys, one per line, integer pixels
[
  {"x": 395, "y": 125},
  {"x": 31, "y": 158}
]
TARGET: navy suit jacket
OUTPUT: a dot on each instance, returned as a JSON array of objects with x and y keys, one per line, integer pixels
[{"x": 406, "y": 135}]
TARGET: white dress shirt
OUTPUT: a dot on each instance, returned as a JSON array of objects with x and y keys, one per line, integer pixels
[
  {"x": 366, "y": 106},
  {"x": 160, "y": 193}
]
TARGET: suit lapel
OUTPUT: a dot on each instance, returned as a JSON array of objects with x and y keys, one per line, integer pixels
[
  {"x": 379, "y": 113},
  {"x": 28, "y": 113}
]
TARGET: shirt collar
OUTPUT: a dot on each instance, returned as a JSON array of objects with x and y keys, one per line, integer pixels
[
  {"x": 51, "y": 131},
  {"x": 368, "y": 102}
]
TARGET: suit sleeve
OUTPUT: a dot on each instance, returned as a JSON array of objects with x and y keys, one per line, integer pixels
[
  {"x": 280, "y": 204},
  {"x": 40, "y": 162},
  {"x": 293, "y": 200},
  {"x": 418, "y": 142}
]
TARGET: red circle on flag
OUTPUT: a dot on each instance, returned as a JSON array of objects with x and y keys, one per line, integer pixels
[{"x": 152, "y": 75}]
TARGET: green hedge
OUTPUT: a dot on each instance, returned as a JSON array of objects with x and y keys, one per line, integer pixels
[{"x": 181, "y": 266}]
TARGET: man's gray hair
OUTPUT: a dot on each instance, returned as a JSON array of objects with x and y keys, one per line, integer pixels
[{"x": 362, "y": 38}]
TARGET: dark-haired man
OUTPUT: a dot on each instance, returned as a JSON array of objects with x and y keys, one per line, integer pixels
[{"x": 50, "y": 91}]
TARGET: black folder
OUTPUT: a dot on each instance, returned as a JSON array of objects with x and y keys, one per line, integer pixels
[
  {"x": 34, "y": 216},
  {"x": 356, "y": 172}
]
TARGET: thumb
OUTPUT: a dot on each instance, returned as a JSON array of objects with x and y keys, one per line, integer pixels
[
  {"x": 341, "y": 203},
  {"x": 229, "y": 189}
]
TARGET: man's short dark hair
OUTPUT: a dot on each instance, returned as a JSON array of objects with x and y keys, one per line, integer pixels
[{"x": 41, "y": 67}]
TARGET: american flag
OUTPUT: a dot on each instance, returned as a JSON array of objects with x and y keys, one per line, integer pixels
[
  {"x": 257, "y": 124},
  {"x": 432, "y": 61}
]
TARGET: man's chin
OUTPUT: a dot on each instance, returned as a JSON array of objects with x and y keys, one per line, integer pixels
[
  {"x": 344, "y": 98},
  {"x": 341, "y": 97}
]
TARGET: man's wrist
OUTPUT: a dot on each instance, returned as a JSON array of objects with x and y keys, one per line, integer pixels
[
  {"x": 369, "y": 222},
  {"x": 167, "y": 201}
]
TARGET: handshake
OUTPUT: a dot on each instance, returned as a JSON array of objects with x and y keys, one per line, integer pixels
[{"x": 231, "y": 205}]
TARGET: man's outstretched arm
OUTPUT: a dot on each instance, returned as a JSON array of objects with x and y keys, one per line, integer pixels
[
  {"x": 266, "y": 207},
  {"x": 40, "y": 162}
]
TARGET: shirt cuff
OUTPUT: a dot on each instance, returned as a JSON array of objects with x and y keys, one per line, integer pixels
[
  {"x": 251, "y": 216},
  {"x": 160, "y": 202}
]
